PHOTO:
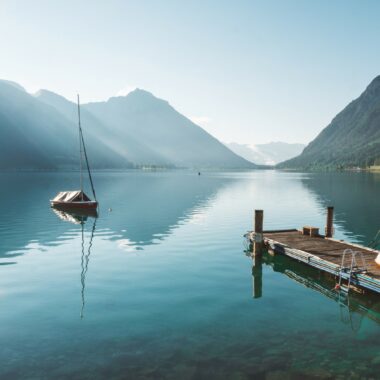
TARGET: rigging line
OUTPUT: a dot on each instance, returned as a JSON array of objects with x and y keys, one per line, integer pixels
[
  {"x": 88, "y": 167},
  {"x": 80, "y": 150},
  {"x": 85, "y": 153}
]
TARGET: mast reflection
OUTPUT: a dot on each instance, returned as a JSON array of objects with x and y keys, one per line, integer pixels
[
  {"x": 85, "y": 259},
  {"x": 77, "y": 217}
]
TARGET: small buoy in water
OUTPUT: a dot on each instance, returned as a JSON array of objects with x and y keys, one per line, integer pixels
[
  {"x": 110, "y": 209},
  {"x": 199, "y": 173}
]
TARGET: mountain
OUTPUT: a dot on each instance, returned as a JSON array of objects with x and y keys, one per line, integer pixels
[
  {"x": 351, "y": 139},
  {"x": 90, "y": 123},
  {"x": 150, "y": 131},
  {"x": 122, "y": 143},
  {"x": 34, "y": 135},
  {"x": 267, "y": 154},
  {"x": 40, "y": 132}
]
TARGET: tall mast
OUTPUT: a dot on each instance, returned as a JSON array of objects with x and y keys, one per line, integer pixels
[
  {"x": 80, "y": 149},
  {"x": 84, "y": 153}
]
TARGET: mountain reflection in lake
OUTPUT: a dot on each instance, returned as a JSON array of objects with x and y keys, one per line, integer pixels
[
  {"x": 163, "y": 286},
  {"x": 355, "y": 197},
  {"x": 138, "y": 209}
]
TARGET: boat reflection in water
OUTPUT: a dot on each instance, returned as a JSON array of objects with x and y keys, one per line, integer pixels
[
  {"x": 75, "y": 216},
  {"x": 81, "y": 217},
  {"x": 353, "y": 306}
]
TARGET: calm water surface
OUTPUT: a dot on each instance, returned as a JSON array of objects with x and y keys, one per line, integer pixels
[{"x": 159, "y": 286}]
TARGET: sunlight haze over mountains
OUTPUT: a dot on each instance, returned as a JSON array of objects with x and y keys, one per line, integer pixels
[{"x": 249, "y": 72}]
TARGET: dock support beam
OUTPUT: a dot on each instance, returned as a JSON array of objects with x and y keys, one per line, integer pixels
[
  {"x": 329, "y": 223},
  {"x": 258, "y": 245}
]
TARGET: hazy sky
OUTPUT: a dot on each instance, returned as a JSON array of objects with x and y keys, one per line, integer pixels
[{"x": 247, "y": 71}]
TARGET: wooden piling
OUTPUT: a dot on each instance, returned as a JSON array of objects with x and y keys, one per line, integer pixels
[
  {"x": 258, "y": 245},
  {"x": 329, "y": 222}
]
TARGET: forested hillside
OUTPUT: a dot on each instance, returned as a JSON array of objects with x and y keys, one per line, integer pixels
[{"x": 351, "y": 139}]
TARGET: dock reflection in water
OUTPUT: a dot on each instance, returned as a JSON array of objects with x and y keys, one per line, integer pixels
[
  {"x": 353, "y": 307},
  {"x": 78, "y": 217}
]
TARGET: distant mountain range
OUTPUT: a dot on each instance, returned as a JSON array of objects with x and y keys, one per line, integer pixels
[
  {"x": 40, "y": 132},
  {"x": 267, "y": 154},
  {"x": 351, "y": 139}
]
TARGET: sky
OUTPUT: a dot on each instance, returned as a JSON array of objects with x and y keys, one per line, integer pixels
[{"x": 246, "y": 71}]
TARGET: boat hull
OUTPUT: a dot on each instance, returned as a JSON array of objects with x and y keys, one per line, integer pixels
[{"x": 85, "y": 205}]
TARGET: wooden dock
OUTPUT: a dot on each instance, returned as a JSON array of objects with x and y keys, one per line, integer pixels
[{"x": 321, "y": 252}]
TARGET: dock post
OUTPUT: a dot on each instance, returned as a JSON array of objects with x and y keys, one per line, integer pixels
[
  {"x": 259, "y": 241},
  {"x": 329, "y": 222}
]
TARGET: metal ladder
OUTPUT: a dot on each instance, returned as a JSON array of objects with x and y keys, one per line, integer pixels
[{"x": 352, "y": 269}]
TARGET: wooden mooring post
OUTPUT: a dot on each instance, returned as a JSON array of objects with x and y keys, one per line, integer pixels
[
  {"x": 258, "y": 245},
  {"x": 329, "y": 230}
]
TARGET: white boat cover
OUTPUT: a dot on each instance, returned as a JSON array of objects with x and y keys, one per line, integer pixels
[{"x": 71, "y": 196}]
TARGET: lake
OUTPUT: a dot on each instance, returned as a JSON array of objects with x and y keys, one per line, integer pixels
[{"x": 160, "y": 286}]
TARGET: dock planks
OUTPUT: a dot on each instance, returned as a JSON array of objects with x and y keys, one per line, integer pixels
[{"x": 323, "y": 253}]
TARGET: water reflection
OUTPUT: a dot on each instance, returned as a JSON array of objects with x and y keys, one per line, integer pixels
[
  {"x": 147, "y": 208},
  {"x": 138, "y": 209},
  {"x": 352, "y": 307},
  {"x": 85, "y": 259},
  {"x": 75, "y": 217},
  {"x": 355, "y": 197},
  {"x": 257, "y": 276},
  {"x": 81, "y": 217},
  {"x": 180, "y": 310}
]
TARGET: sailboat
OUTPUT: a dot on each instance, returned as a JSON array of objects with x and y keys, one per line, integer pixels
[{"x": 77, "y": 199}]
